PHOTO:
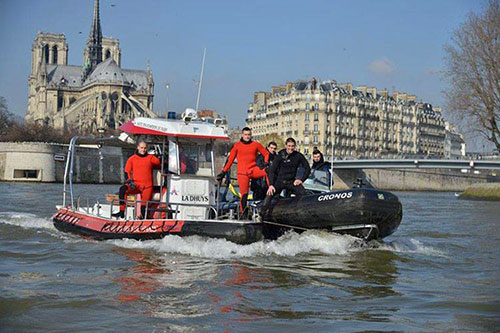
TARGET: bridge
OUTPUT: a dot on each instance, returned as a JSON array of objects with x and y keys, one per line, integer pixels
[{"x": 416, "y": 164}]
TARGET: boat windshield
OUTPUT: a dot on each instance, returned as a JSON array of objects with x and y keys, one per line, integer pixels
[
  {"x": 195, "y": 159},
  {"x": 318, "y": 180}
]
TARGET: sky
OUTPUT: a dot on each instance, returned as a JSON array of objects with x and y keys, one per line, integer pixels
[{"x": 251, "y": 45}]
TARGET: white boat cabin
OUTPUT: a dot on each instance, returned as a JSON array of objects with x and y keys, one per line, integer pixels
[
  {"x": 187, "y": 178},
  {"x": 184, "y": 186}
]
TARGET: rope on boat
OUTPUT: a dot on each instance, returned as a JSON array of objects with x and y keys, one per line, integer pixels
[
  {"x": 286, "y": 225},
  {"x": 306, "y": 229}
]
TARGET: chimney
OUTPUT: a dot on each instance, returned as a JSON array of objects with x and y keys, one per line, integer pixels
[{"x": 362, "y": 89}]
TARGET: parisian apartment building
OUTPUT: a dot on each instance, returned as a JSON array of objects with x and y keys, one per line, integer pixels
[{"x": 344, "y": 122}]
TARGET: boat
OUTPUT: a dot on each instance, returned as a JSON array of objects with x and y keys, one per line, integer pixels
[
  {"x": 188, "y": 202},
  {"x": 361, "y": 212}
]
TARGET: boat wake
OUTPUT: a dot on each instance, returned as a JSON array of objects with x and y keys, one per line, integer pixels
[
  {"x": 289, "y": 245},
  {"x": 26, "y": 220},
  {"x": 411, "y": 246}
]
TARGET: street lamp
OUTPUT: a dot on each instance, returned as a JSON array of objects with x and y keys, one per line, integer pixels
[{"x": 167, "y": 87}]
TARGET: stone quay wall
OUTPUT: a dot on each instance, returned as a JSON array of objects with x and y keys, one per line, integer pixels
[
  {"x": 44, "y": 162},
  {"x": 413, "y": 179}
]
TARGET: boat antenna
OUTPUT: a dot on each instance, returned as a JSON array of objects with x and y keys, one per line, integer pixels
[{"x": 201, "y": 79}]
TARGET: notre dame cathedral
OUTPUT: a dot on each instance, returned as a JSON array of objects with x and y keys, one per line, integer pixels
[{"x": 99, "y": 94}]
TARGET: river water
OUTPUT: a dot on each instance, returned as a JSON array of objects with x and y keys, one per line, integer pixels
[{"x": 439, "y": 272}]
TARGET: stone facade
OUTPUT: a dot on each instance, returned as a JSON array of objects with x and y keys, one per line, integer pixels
[
  {"x": 99, "y": 94},
  {"x": 349, "y": 123},
  {"x": 454, "y": 145}
]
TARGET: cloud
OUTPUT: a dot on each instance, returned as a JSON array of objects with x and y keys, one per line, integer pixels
[{"x": 382, "y": 66}]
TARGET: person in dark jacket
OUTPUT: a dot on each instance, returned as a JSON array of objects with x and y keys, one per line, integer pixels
[
  {"x": 259, "y": 186},
  {"x": 282, "y": 174},
  {"x": 320, "y": 164}
]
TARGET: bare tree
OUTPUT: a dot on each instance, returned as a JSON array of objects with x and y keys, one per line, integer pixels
[
  {"x": 32, "y": 132},
  {"x": 272, "y": 137},
  {"x": 5, "y": 116},
  {"x": 473, "y": 68}
]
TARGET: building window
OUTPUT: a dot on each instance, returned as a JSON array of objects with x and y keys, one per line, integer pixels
[
  {"x": 316, "y": 106},
  {"x": 108, "y": 54},
  {"x": 29, "y": 174},
  {"x": 306, "y": 127},
  {"x": 59, "y": 102},
  {"x": 45, "y": 52},
  {"x": 315, "y": 139},
  {"x": 316, "y": 116},
  {"x": 307, "y": 106},
  {"x": 54, "y": 54},
  {"x": 315, "y": 127},
  {"x": 306, "y": 117}
]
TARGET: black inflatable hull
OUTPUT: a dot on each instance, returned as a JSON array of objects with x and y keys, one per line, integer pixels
[{"x": 364, "y": 213}]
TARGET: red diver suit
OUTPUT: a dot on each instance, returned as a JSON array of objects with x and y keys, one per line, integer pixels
[
  {"x": 139, "y": 168},
  {"x": 246, "y": 153}
]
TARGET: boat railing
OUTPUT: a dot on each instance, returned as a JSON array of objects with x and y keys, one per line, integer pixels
[
  {"x": 70, "y": 161},
  {"x": 92, "y": 206},
  {"x": 83, "y": 203}
]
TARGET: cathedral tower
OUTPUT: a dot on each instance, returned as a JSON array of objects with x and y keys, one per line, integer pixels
[{"x": 47, "y": 49}]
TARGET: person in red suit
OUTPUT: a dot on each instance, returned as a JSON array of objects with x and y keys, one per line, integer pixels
[
  {"x": 246, "y": 151},
  {"x": 138, "y": 178}
]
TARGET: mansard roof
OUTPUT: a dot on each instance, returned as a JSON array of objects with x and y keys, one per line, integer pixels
[
  {"x": 70, "y": 76},
  {"x": 137, "y": 78},
  {"x": 107, "y": 72}
]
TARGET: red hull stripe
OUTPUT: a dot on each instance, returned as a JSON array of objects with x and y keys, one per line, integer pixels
[
  {"x": 98, "y": 224},
  {"x": 130, "y": 128}
]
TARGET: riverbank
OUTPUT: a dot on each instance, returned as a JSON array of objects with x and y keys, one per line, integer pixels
[{"x": 489, "y": 191}]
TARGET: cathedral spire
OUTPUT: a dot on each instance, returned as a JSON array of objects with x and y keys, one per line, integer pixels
[
  {"x": 95, "y": 29},
  {"x": 93, "y": 50}
]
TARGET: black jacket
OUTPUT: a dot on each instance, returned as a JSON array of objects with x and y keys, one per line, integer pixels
[
  {"x": 261, "y": 163},
  {"x": 284, "y": 167}
]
